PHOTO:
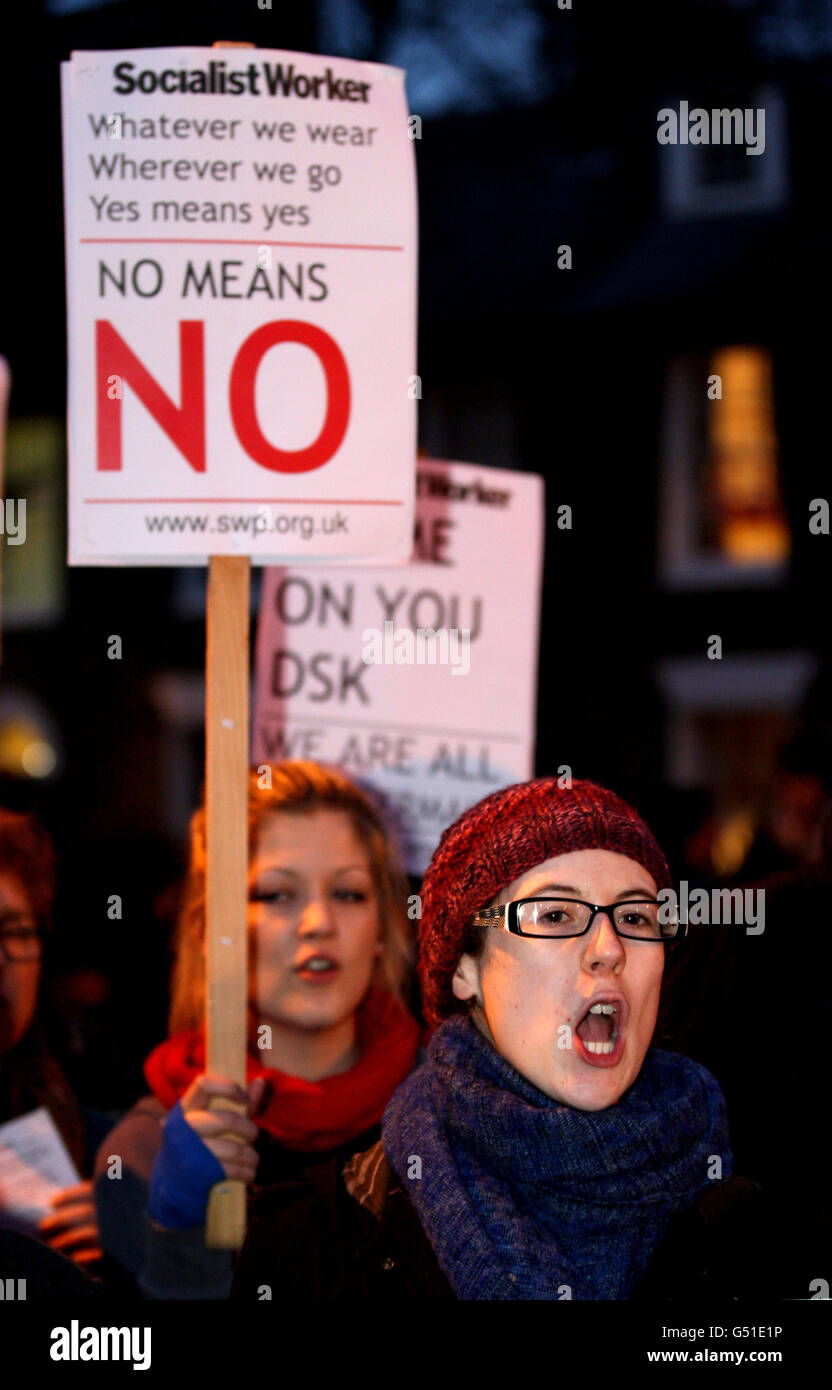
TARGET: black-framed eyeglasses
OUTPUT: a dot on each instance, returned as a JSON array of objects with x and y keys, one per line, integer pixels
[
  {"x": 21, "y": 939},
  {"x": 637, "y": 919}
]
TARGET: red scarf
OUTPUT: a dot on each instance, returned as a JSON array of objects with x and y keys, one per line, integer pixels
[{"x": 310, "y": 1116}]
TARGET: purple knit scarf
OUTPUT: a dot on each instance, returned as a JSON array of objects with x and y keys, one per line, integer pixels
[{"x": 523, "y": 1197}]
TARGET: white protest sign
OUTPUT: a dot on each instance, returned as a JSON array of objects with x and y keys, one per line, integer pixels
[
  {"x": 241, "y": 270},
  {"x": 348, "y": 671}
]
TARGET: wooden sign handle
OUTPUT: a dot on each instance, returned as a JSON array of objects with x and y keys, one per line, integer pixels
[{"x": 226, "y": 801}]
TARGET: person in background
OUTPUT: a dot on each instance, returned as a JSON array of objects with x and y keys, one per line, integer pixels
[
  {"x": 735, "y": 964},
  {"x": 790, "y": 833},
  {"x": 544, "y": 1149},
  {"x": 30, "y": 1077},
  {"x": 329, "y": 1036}
]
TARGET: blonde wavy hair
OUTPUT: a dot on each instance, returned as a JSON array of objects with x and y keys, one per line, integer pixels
[{"x": 297, "y": 788}]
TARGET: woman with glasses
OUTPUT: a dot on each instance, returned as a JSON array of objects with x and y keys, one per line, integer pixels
[
  {"x": 30, "y": 1077},
  {"x": 330, "y": 1037},
  {"x": 544, "y": 1150}
]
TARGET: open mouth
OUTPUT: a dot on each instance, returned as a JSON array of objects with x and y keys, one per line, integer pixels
[
  {"x": 600, "y": 1031},
  {"x": 318, "y": 969}
]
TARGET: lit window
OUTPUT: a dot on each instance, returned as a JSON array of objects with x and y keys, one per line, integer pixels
[
  {"x": 722, "y": 521},
  {"x": 743, "y": 510}
]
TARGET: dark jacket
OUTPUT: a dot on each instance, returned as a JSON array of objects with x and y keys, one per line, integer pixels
[
  {"x": 355, "y": 1234},
  {"x": 176, "y": 1264},
  {"x": 32, "y": 1271}
]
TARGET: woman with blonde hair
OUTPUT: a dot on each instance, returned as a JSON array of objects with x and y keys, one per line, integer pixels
[{"x": 330, "y": 1037}]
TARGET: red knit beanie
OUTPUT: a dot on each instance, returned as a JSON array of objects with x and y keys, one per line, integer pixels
[{"x": 502, "y": 837}]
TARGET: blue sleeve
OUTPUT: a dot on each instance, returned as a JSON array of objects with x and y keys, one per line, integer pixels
[{"x": 183, "y": 1174}]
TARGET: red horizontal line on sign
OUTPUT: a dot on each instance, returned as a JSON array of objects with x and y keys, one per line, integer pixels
[
  {"x": 226, "y": 241},
  {"x": 312, "y": 720},
  {"x": 264, "y": 501}
]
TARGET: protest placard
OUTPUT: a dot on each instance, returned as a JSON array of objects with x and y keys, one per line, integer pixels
[
  {"x": 347, "y": 671},
  {"x": 241, "y": 242}
]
